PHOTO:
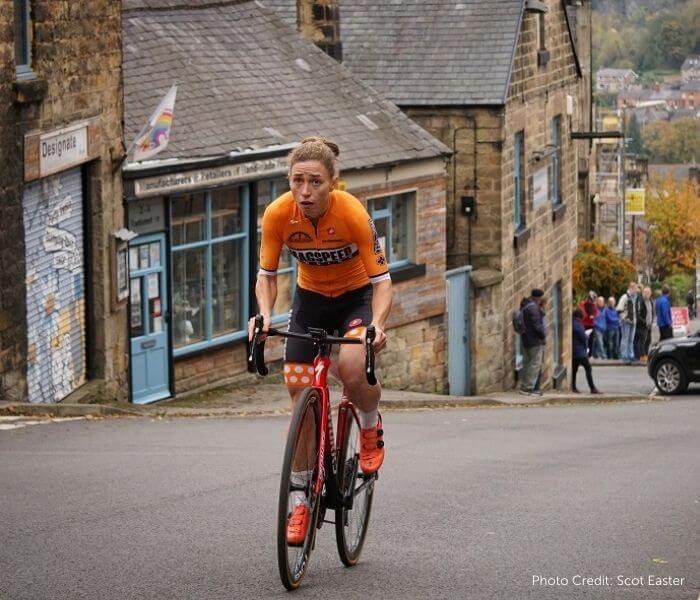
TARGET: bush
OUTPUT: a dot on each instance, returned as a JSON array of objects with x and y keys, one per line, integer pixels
[
  {"x": 596, "y": 267},
  {"x": 679, "y": 283}
]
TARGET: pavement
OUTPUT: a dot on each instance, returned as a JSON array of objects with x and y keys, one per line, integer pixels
[{"x": 259, "y": 398}]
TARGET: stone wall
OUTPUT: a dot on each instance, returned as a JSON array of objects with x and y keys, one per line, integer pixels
[
  {"x": 76, "y": 56},
  {"x": 415, "y": 355}
]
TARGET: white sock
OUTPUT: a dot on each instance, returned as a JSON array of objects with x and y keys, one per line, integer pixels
[
  {"x": 368, "y": 419},
  {"x": 300, "y": 478}
]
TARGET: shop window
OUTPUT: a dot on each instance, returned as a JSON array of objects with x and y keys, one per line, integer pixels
[
  {"x": 23, "y": 32},
  {"x": 209, "y": 263},
  {"x": 556, "y": 161},
  {"x": 518, "y": 174},
  {"x": 269, "y": 190},
  {"x": 393, "y": 218}
]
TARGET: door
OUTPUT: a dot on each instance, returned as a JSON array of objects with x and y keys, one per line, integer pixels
[
  {"x": 55, "y": 280},
  {"x": 458, "y": 361},
  {"x": 148, "y": 320}
]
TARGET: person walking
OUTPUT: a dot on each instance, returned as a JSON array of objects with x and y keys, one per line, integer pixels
[
  {"x": 664, "y": 321},
  {"x": 533, "y": 341},
  {"x": 627, "y": 307},
  {"x": 645, "y": 318},
  {"x": 599, "y": 328},
  {"x": 590, "y": 312},
  {"x": 612, "y": 329},
  {"x": 579, "y": 353}
]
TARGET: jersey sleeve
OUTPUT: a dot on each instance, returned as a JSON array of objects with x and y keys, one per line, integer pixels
[
  {"x": 367, "y": 241},
  {"x": 270, "y": 243}
]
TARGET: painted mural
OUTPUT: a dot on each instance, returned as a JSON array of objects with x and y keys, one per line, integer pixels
[{"x": 53, "y": 225}]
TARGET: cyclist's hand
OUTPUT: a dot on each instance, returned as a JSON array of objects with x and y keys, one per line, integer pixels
[
  {"x": 379, "y": 339},
  {"x": 251, "y": 328}
]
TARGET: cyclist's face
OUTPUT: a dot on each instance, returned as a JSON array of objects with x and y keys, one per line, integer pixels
[{"x": 311, "y": 184}]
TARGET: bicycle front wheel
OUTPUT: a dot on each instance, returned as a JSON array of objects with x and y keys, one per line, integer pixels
[
  {"x": 356, "y": 491},
  {"x": 299, "y": 469}
]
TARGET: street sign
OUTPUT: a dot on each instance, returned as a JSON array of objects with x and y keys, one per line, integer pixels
[{"x": 634, "y": 201}]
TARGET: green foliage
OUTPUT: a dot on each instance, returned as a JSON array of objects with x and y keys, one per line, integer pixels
[
  {"x": 675, "y": 142},
  {"x": 679, "y": 283},
  {"x": 596, "y": 267},
  {"x": 634, "y": 133}
]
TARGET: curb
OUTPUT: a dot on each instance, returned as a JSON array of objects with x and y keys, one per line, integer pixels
[{"x": 104, "y": 410}]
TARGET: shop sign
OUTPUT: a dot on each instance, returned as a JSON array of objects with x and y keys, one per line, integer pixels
[
  {"x": 62, "y": 149},
  {"x": 634, "y": 201},
  {"x": 173, "y": 183},
  {"x": 147, "y": 215}
]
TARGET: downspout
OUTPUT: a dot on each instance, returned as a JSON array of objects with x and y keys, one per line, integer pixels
[{"x": 474, "y": 183}]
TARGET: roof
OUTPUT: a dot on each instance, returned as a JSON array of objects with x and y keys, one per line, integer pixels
[
  {"x": 691, "y": 86},
  {"x": 428, "y": 52},
  {"x": 692, "y": 62},
  {"x": 247, "y": 80},
  {"x": 615, "y": 72}
]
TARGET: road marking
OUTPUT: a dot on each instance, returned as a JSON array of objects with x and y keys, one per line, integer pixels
[{"x": 10, "y": 423}]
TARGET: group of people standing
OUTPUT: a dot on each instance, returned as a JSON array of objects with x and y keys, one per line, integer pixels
[
  {"x": 622, "y": 329},
  {"x": 612, "y": 329}
]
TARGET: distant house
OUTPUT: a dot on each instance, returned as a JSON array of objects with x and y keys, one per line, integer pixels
[
  {"x": 690, "y": 94},
  {"x": 249, "y": 88},
  {"x": 613, "y": 81},
  {"x": 690, "y": 69}
]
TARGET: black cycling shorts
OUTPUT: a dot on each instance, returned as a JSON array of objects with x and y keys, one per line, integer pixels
[{"x": 336, "y": 315}]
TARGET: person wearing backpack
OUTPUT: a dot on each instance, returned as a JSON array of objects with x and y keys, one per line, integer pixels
[{"x": 533, "y": 338}]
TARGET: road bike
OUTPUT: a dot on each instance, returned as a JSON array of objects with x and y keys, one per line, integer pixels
[{"x": 316, "y": 470}]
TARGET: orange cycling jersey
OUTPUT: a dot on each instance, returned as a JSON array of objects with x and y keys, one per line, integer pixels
[{"x": 342, "y": 253}]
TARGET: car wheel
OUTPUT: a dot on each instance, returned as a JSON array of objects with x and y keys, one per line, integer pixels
[{"x": 670, "y": 378}]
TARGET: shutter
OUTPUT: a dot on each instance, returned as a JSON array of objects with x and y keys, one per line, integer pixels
[{"x": 53, "y": 229}]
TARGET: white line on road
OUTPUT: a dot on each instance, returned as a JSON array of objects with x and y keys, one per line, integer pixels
[{"x": 9, "y": 423}]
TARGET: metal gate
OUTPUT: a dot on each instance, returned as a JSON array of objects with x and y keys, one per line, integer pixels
[
  {"x": 53, "y": 229},
  {"x": 458, "y": 334}
]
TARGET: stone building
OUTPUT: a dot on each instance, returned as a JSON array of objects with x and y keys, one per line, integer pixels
[
  {"x": 690, "y": 69},
  {"x": 244, "y": 99},
  {"x": 62, "y": 323},
  {"x": 498, "y": 82},
  {"x": 612, "y": 81}
]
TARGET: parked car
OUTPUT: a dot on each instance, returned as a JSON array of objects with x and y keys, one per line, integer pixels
[{"x": 674, "y": 363}]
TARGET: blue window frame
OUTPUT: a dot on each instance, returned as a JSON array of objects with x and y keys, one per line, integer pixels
[
  {"x": 210, "y": 254},
  {"x": 393, "y": 218},
  {"x": 269, "y": 190},
  {"x": 518, "y": 193},
  {"x": 23, "y": 53},
  {"x": 556, "y": 161}
]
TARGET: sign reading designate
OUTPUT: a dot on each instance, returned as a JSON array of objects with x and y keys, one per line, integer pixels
[
  {"x": 62, "y": 149},
  {"x": 189, "y": 180}
]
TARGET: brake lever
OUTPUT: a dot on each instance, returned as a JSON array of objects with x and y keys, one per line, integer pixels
[{"x": 369, "y": 355}]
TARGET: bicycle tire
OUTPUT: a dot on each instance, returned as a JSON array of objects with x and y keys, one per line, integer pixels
[
  {"x": 293, "y": 561},
  {"x": 351, "y": 523}
]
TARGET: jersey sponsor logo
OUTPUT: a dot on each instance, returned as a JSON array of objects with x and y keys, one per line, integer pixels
[
  {"x": 324, "y": 258},
  {"x": 375, "y": 238},
  {"x": 355, "y": 323},
  {"x": 299, "y": 236},
  {"x": 331, "y": 230},
  {"x": 381, "y": 260}
]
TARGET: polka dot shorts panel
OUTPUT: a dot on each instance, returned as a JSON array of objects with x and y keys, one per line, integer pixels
[{"x": 298, "y": 374}]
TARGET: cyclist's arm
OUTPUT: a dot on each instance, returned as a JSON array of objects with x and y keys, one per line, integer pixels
[
  {"x": 382, "y": 296},
  {"x": 266, "y": 294}
]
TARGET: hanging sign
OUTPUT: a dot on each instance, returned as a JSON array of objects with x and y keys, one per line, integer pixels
[{"x": 634, "y": 201}]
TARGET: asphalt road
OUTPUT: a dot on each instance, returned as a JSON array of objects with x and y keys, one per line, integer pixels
[
  {"x": 626, "y": 379},
  {"x": 470, "y": 504}
]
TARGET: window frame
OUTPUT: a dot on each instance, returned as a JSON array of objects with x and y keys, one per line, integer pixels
[
  {"x": 386, "y": 213},
  {"x": 282, "y": 317},
  {"x": 555, "y": 185},
  {"x": 23, "y": 70},
  {"x": 519, "y": 208},
  {"x": 243, "y": 237}
]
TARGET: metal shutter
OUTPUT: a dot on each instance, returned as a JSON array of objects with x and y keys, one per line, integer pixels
[{"x": 53, "y": 229}]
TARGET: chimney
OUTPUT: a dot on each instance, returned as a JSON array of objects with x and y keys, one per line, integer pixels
[{"x": 319, "y": 22}]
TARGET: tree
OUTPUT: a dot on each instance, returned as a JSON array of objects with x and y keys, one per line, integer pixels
[
  {"x": 634, "y": 133},
  {"x": 596, "y": 267},
  {"x": 674, "y": 142},
  {"x": 673, "y": 214}
]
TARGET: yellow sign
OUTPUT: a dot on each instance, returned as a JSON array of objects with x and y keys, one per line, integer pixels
[
  {"x": 634, "y": 201},
  {"x": 611, "y": 123}
]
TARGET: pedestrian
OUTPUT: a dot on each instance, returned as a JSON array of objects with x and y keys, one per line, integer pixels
[
  {"x": 664, "y": 321},
  {"x": 627, "y": 307},
  {"x": 533, "y": 341},
  {"x": 612, "y": 329},
  {"x": 590, "y": 312},
  {"x": 690, "y": 303},
  {"x": 599, "y": 330},
  {"x": 579, "y": 353},
  {"x": 645, "y": 319}
]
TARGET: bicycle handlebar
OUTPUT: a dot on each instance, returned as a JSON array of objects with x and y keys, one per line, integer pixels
[{"x": 256, "y": 348}]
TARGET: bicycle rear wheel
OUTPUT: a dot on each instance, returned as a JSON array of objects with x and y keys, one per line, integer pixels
[
  {"x": 356, "y": 491},
  {"x": 299, "y": 469}
]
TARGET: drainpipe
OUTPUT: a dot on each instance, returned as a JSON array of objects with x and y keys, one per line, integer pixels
[{"x": 474, "y": 182}]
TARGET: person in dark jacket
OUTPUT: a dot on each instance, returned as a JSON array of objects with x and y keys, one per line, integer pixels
[
  {"x": 532, "y": 340},
  {"x": 579, "y": 344}
]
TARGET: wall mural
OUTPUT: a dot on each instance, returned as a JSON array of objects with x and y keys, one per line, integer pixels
[{"x": 53, "y": 225}]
